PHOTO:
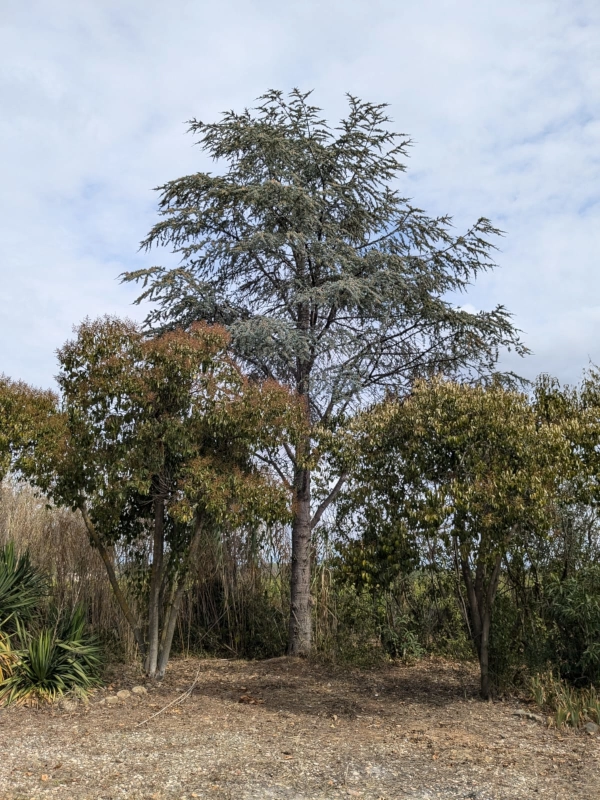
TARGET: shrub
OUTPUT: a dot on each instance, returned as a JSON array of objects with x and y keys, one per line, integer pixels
[
  {"x": 21, "y": 586},
  {"x": 52, "y": 661},
  {"x": 573, "y": 611},
  {"x": 57, "y": 542}
]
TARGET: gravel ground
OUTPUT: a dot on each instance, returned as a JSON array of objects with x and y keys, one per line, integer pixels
[{"x": 293, "y": 729}]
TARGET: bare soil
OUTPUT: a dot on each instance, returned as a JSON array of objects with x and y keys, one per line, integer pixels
[{"x": 293, "y": 729}]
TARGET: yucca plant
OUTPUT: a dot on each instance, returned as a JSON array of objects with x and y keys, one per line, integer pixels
[
  {"x": 8, "y": 659},
  {"x": 21, "y": 586},
  {"x": 53, "y": 661}
]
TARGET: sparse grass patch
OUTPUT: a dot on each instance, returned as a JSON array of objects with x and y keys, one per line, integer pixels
[{"x": 570, "y": 706}]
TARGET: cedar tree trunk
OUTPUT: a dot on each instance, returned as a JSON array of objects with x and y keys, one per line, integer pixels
[{"x": 300, "y": 633}]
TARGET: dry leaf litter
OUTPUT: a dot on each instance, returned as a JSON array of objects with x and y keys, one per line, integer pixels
[{"x": 287, "y": 728}]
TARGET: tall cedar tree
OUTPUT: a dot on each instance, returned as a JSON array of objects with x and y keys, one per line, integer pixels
[
  {"x": 154, "y": 447},
  {"x": 326, "y": 277}
]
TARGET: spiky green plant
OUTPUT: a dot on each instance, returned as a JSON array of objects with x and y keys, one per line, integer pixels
[
  {"x": 7, "y": 657},
  {"x": 53, "y": 661},
  {"x": 21, "y": 586}
]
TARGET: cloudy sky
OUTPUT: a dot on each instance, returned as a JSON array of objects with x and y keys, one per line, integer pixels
[{"x": 502, "y": 101}]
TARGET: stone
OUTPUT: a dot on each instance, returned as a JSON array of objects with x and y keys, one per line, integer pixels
[
  {"x": 139, "y": 690},
  {"x": 112, "y": 700},
  {"x": 591, "y": 728},
  {"x": 123, "y": 694}
]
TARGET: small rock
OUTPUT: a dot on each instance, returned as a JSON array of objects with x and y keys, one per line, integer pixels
[
  {"x": 139, "y": 690},
  {"x": 123, "y": 694},
  {"x": 112, "y": 700},
  {"x": 591, "y": 728}
]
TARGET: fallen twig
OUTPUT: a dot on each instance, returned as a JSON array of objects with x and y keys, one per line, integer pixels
[{"x": 175, "y": 702}]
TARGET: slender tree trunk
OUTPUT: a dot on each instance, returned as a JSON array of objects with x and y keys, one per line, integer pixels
[
  {"x": 490, "y": 596},
  {"x": 155, "y": 586},
  {"x": 484, "y": 655},
  {"x": 473, "y": 603},
  {"x": 110, "y": 571},
  {"x": 300, "y": 631},
  {"x": 173, "y": 611}
]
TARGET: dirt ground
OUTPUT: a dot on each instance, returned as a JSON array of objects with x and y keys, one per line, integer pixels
[{"x": 291, "y": 729}]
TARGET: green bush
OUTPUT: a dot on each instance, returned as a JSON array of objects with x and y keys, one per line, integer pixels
[
  {"x": 573, "y": 614},
  {"x": 547, "y": 626},
  {"x": 349, "y": 626}
]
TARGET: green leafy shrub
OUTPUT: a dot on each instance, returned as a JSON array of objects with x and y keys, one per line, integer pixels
[
  {"x": 52, "y": 661},
  {"x": 573, "y": 612},
  {"x": 431, "y": 598},
  {"x": 350, "y": 629},
  {"x": 514, "y": 642}
]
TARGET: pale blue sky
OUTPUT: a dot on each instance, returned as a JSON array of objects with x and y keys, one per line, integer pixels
[{"x": 501, "y": 99}]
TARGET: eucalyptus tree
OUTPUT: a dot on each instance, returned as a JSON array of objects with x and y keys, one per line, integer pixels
[
  {"x": 472, "y": 471},
  {"x": 328, "y": 279},
  {"x": 154, "y": 447},
  {"x": 27, "y": 418}
]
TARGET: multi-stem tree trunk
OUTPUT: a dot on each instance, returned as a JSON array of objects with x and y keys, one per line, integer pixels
[
  {"x": 160, "y": 638},
  {"x": 178, "y": 588},
  {"x": 484, "y": 655},
  {"x": 481, "y": 600}
]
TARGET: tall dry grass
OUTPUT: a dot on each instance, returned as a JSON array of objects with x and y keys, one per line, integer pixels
[
  {"x": 237, "y": 598},
  {"x": 236, "y": 602},
  {"x": 57, "y": 541}
]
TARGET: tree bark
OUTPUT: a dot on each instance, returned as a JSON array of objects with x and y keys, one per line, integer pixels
[
  {"x": 173, "y": 611},
  {"x": 484, "y": 655},
  {"x": 300, "y": 630},
  {"x": 155, "y": 585},
  {"x": 481, "y": 600}
]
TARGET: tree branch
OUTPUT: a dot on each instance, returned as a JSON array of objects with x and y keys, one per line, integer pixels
[
  {"x": 120, "y": 597},
  {"x": 328, "y": 500},
  {"x": 277, "y": 469}
]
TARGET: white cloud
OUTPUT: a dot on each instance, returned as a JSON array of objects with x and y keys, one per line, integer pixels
[{"x": 502, "y": 100}]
